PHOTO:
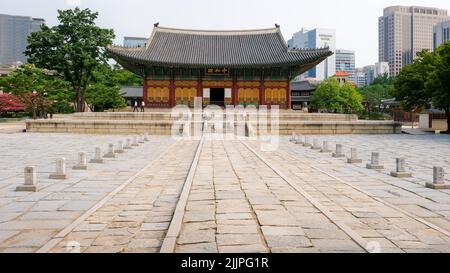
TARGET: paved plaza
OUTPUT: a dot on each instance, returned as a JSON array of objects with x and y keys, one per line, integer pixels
[{"x": 211, "y": 196}]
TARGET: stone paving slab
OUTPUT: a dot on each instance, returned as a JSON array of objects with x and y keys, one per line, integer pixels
[
  {"x": 410, "y": 194},
  {"x": 138, "y": 217},
  {"x": 259, "y": 214},
  {"x": 237, "y": 203},
  {"x": 43, "y": 214}
]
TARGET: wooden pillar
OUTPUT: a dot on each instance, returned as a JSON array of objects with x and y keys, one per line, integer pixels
[
  {"x": 200, "y": 86},
  {"x": 262, "y": 100},
  {"x": 288, "y": 95},
  {"x": 235, "y": 90},
  {"x": 172, "y": 90},
  {"x": 144, "y": 93}
]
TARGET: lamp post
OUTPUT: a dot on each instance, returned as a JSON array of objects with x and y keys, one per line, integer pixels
[
  {"x": 33, "y": 104},
  {"x": 44, "y": 112}
]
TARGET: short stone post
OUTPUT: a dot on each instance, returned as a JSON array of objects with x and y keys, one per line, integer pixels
[
  {"x": 375, "y": 162},
  {"x": 60, "y": 173},
  {"x": 82, "y": 162},
  {"x": 438, "y": 180},
  {"x": 353, "y": 157},
  {"x": 141, "y": 139},
  {"x": 293, "y": 137},
  {"x": 307, "y": 142},
  {"x": 401, "y": 168},
  {"x": 146, "y": 137},
  {"x": 98, "y": 156},
  {"x": 325, "y": 147},
  {"x": 316, "y": 145},
  {"x": 128, "y": 144},
  {"x": 338, "y": 152},
  {"x": 110, "y": 153},
  {"x": 135, "y": 142},
  {"x": 30, "y": 180},
  {"x": 299, "y": 140},
  {"x": 119, "y": 149}
]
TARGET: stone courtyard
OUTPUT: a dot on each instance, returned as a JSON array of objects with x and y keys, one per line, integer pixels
[{"x": 169, "y": 195}]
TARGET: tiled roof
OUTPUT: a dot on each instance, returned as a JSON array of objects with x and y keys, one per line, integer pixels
[
  {"x": 305, "y": 85},
  {"x": 196, "y": 48}
]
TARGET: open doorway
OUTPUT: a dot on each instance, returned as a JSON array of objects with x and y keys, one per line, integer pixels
[{"x": 218, "y": 96}]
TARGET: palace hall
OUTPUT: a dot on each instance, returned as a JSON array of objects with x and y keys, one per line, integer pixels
[{"x": 240, "y": 67}]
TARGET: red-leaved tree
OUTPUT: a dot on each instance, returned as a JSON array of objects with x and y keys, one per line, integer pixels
[{"x": 10, "y": 103}]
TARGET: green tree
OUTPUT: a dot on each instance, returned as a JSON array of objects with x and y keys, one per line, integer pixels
[
  {"x": 374, "y": 94},
  {"x": 326, "y": 96},
  {"x": 127, "y": 78},
  {"x": 330, "y": 96},
  {"x": 438, "y": 82},
  {"x": 104, "y": 93},
  {"x": 410, "y": 82},
  {"x": 384, "y": 80},
  {"x": 350, "y": 99},
  {"x": 37, "y": 88},
  {"x": 101, "y": 97},
  {"x": 74, "y": 49}
]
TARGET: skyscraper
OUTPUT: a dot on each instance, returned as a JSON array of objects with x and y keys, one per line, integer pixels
[
  {"x": 405, "y": 31},
  {"x": 14, "y": 32},
  {"x": 317, "y": 38},
  {"x": 345, "y": 61},
  {"x": 441, "y": 34}
]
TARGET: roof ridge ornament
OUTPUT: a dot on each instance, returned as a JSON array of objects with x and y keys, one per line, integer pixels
[{"x": 156, "y": 24}]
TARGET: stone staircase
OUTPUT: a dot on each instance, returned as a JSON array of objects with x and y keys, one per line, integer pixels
[{"x": 165, "y": 123}]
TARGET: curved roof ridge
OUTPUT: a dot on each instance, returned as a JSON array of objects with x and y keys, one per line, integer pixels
[{"x": 216, "y": 32}]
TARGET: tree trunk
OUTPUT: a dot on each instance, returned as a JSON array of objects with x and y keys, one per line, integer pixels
[
  {"x": 34, "y": 112},
  {"x": 447, "y": 112},
  {"x": 79, "y": 99}
]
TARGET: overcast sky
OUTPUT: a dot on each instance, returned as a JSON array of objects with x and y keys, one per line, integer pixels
[{"x": 356, "y": 21}]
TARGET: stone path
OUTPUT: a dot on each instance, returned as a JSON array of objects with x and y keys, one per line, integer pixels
[
  {"x": 12, "y": 127},
  {"x": 137, "y": 218},
  {"x": 409, "y": 194},
  {"x": 394, "y": 230},
  {"x": 30, "y": 220}
]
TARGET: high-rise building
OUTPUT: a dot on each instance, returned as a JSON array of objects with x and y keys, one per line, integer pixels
[
  {"x": 134, "y": 41},
  {"x": 381, "y": 68},
  {"x": 345, "y": 61},
  {"x": 360, "y": 78},
  {"x": 14, "y": 32},
  {"x": 405, "y": 31},
  {"x": 317, "y": 38},
  {"x": 369, "y": 72},
  {"x": 367, "y": 75},
  {"x": 441, "y": 34}
]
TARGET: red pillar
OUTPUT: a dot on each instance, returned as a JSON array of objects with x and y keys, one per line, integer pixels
[
  {"x": 144, "y": 93},
  {"x": 288, "y": 96},
  {"x": 172, "y": 92},
  {"x": 199, "y": 87},
  {"x": 262, "y": 100},
  {"x": 234, "y": 92}
]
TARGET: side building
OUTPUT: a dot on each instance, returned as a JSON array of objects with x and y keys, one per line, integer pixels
[
  {"x": 405, "y": 31},
  {"x": 441, "y": 34},
  {"x": 317, "y": 38},
  {"x": 243, "y": 67},
  {"x": 345, "y": 62},
  {"x": 14, "y": 32}
]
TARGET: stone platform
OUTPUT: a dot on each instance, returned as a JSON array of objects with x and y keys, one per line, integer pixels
[{"x": 161, "y": 123}]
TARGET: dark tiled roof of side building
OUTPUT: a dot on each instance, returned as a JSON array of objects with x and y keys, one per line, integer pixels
[{"x": 233, "y": 49}]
